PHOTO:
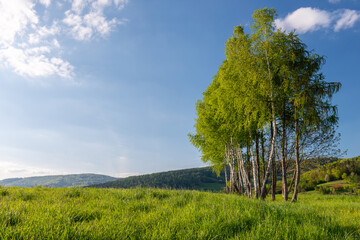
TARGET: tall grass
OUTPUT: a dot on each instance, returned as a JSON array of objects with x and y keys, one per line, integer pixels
[{"x": 77, "y": 213}]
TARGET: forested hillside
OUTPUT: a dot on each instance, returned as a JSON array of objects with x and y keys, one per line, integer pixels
[
  {"x": 345, "y": 169},
  {"x": 57, "y": 180},
  {"x": 195, "y": 178}
]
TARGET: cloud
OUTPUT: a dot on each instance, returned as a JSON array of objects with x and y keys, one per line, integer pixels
[
  {"x": 30, "y": 43},
  {"x": 85, "y": 27},
  {"x": 304, "y": 20},
  {"x": 347, "y": 19},
  {"x": 87, "y": 20},
  {"x": 121, "y": 3},
  {"x": 334, "y": 1},
  {"x": 33, "y": 62},
  {"x": 15, "y": 17},
  {"x": 311, "y": 19},
  {"x": 46, "y": 3}
]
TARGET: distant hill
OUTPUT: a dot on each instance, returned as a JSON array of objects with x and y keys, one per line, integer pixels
[
  {"x": 344, "y": 169},
  {"x": 195, "y": 179},
  {"x": 71, "y": 180}
]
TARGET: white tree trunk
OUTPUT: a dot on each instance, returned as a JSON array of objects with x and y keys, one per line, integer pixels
[
  {"x": 254, "y": 171},
  {"x": 244, "y": 174}
]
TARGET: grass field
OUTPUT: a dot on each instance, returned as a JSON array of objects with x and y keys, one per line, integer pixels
[{"x": 78, "y": 213}]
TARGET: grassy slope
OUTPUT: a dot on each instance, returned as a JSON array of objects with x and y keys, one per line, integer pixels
[
  {"x": 58, "y": 180},
  {"x": 74, "y": 213}
]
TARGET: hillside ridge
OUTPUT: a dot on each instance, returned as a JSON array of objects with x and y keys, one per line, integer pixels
[
  {"x": 68, "y": 180},
  {"x": 193, "y": 179}
]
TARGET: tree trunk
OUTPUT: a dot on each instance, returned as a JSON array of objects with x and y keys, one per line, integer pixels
[
  {"x": 240, "y": 183},
  {"x": 292, "y": 181},
  {"x": 263, "y": 155},
  {"x": 273, "y": 182},
  {"x": 257, "y": 152},
  {"x": 226, "y": 180},
  {"x": 240, "y": 175},
  {"x": 248, "y": 160},
  {"x": 297, "y": 161},
  {"x": 272, "y": 146},
  {"x": 283, "y": 166},
  {"x": 229, "y": 162},
  {"x": 254, "y": 172},
  {"x": 245, "y": 177}
]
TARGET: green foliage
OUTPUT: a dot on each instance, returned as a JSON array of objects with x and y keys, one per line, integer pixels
[
  {"x": 195, "y": 178},
  {"x": 172, "y": 214},
  {"x": 333, "y": 173},
  {"x": 337, "y": 187},
  {"x": 73, "y": 193},
  {"x": 3, "y": 192},
  {"x": 324, "y": 190},
  {"x": 354, "y": 177},
  {"x": 344, "y": 176},
  {"x": 348, "y": 169},
  {"x": 313, "y": 163},
  {"x": 58, "y": 180}
]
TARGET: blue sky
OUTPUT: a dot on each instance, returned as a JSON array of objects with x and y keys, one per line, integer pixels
[{"x": 110, "y": 87}]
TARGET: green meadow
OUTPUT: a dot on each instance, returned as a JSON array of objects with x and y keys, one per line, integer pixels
[{"x": 87, "y": 213}]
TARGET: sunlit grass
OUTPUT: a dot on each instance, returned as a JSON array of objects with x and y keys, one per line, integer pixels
[{"x": 77, "y": 213}]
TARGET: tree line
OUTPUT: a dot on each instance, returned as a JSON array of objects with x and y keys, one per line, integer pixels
[
  {"x": 195, "y": 179},
  {"x": 267, "y": 109}
]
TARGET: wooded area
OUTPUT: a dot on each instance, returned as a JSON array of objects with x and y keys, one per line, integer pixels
[
  {"x": 195, "y": 179},
  {"x": 268, "y": 105}
]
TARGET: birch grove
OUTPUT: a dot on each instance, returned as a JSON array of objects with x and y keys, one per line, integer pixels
[{"x": 267, "y": 97}]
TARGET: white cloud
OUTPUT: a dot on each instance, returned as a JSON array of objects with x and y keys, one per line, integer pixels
[
  {"x": 46, "y": 3},
  {"x": 311, "y": 19},
  {"x": 55, "y": 43},
  {"x": 101, "y": 4},
  {"x": 347, "y": 19},
  {"x": 43, "y": 32},
  {"x": 37, "y": 50},
  {"x": 78, "y": 29},
  {"x": 121, "y": 3},
  {"x": 15, "y": 17},
  {"x": 78, "y": 5},
  {"x": 29, "y": 43},
  {"x": 33, "y": 63},
  {"x": 86, "y": 19},
  {"x": 334, "y": 1},
  {"x": 304, "y": 20}
]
